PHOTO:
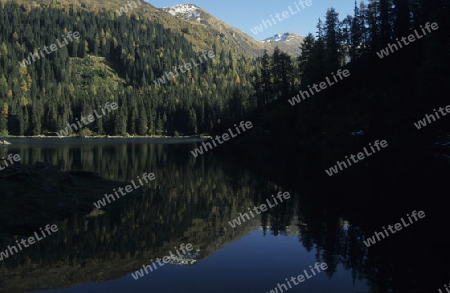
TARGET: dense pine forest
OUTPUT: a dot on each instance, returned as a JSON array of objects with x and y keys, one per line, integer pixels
[
  {"x": 116, "y": 59},
  {"x": 383, "y": 97}
]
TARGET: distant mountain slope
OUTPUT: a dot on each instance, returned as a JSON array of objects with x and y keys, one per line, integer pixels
[
  {"x": 288, "y": 42},
  {"x": 277, "y": 38},
  {"x": 198, "y": 26},
  {"x": 221, "y": 31}
]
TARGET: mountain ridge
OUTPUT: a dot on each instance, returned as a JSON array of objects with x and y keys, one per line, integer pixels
[
  {"x": 196, "y": 14},
  {"x": 288, "y": 42},
  {"x": 182, "y": 21}
]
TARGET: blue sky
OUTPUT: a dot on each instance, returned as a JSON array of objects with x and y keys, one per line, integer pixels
[{"x": 246, "y": 14}]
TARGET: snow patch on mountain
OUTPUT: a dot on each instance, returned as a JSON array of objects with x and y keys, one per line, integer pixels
[
  {"x": 286, "y": 37},
  {"x": 185, "y": 11}
]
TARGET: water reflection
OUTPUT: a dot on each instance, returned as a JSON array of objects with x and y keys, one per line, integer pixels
[{"x": 191, "y": 201}]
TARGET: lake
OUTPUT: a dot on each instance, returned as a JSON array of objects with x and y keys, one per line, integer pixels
[{"x": 193, "y": 200}]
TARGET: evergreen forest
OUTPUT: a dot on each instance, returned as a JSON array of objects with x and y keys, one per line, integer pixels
[{"x": 118, "y": 58}]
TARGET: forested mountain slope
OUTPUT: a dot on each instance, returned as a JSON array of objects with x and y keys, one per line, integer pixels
[{"x": 117, "y": 58}]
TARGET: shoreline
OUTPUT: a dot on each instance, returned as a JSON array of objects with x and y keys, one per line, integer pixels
[{"x": 14, "y": 140}]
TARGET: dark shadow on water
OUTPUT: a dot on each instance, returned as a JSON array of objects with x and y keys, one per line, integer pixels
[{"x": 192, "y": 200}]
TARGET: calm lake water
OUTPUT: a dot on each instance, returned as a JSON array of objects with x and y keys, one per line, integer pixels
[{"x": 192, "y": 201}]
